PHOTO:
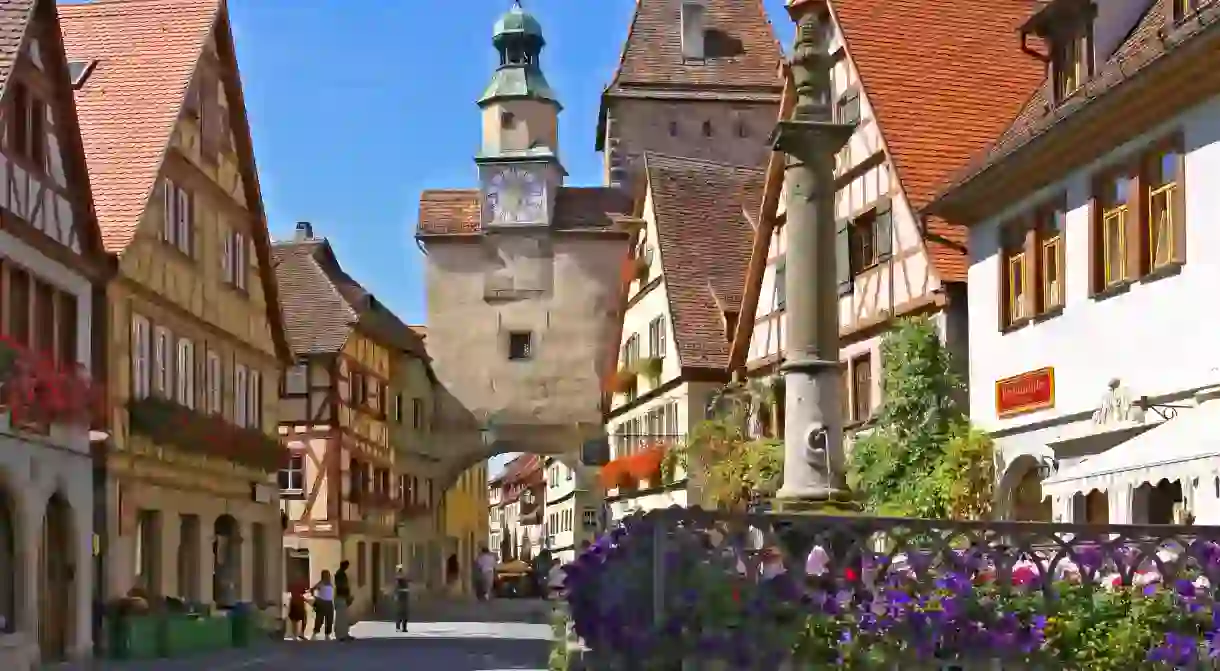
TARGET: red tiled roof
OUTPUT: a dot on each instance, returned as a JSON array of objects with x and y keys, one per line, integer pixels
[
  {"x": 146, "y": 52},
  {"x": 703, "y": 239},
  {"x": 941, "y": 98},
  {"x": 14, "y": 17},
  {"x": 742, "y": 52}
]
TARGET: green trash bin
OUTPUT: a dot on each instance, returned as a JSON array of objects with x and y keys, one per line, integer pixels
[
  {"x": 242, "y": 618},
  {"x": 133, "y": 637}
]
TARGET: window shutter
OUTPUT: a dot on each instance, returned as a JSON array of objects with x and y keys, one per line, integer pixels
[
  {"x": 883, "y": 229},
  {"x": 1096, "y": 264},
  {"x": 843, "y": 255},
  {"x": 1001, "y": 283},
  {"x": 226, "y": 257},
  {"x": 183, "y": 216}
]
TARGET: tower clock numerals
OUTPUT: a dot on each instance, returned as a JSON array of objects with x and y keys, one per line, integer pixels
[{"x": 516, "y": 195}]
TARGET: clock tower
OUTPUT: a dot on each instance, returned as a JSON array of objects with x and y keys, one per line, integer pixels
[{"x": 519, "y": 169}]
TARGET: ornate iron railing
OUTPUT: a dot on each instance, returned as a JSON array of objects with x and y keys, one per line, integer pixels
[{"x": 680, "y": 585}]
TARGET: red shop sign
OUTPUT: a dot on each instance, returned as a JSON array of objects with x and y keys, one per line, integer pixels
[{"x": 1027, "y": 392}]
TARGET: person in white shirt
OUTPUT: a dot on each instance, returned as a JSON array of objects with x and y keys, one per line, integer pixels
[
  {"x": 323, "y": 605},
  {"x": 556, "y": 579},
  {"x": 485, "y": 564}
]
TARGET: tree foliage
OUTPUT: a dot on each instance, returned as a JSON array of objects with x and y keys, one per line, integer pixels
[
  {"x": 731, "y": 467},
  {"x": 922, "y": 458}
]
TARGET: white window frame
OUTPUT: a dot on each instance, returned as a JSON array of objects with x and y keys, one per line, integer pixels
[
  {"x": 240, "y": 391},
  {"x": 184, "y": 375},
  {"x": 295, "y": 471},
  {"x": 183, "y": 220},
  {"x": 212, "y": 381},
  {"x": 140, "y": 356},
  {"x": 169, "y": 229},
  {"x": 239, "y": 260},
  {"x": 161, "y": 375},
  {"x": 226, "y": 255},
  {"x": 296, "y": 379}
]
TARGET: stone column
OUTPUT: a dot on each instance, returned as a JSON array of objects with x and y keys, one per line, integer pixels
[{"x": 813, "y": 426}]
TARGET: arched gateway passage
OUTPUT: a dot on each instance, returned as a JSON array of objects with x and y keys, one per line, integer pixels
[{"x": 57, "y": 575}]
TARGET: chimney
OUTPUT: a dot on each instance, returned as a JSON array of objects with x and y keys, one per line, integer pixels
[
  {"x": 304, "y": 231},
  {"x": 693, "y": 29}
]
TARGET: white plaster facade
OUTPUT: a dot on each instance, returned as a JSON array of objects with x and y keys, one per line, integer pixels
[
  {"x": 1151, "y": 337},
  {"x": 33, "y": 469},
  {"x": 571, "y": 514}
]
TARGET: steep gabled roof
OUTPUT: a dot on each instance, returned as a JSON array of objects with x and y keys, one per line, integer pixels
[
  {"x": 323, "y": 304},
  {"x": 146, "y": 54},
  {"x": 704, "y": 243},
  {"x": 14, "y": 17},
  {"x": 940, "y": 99},
  {"x": 742, "y": 52}
]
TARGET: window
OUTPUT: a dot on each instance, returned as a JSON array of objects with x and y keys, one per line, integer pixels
[
  {"x": 1015, "y": 281},
  {"x": 28, "y": 127},
  {"x": 862, "y": 387},
  {"x": 673, "y": 129},
  {"x": 19, "y": 306},
  {"x": 847, "y": 109},
  {"x": 44, "y": 318},
  {"x": 212, "y": 382},
  {"x": 177, "y": 227},
  {"x": 741, "y": 128},
  {"x": 631, "y": 350},
  {"x": 1113, "y": 202},
  {"x": 184, "y": 373},
  {"x": 869, "y": 237},
  {"x": 864, "y": 246},
  {"x": 296, "y": 379},
  {"x": 656, "y": 337},
  {"x": 1163, "y": 171},
  {"x": 398, "y": 406},
  {"x": 520, "y": 346},
  {"x": 589, "y": 518},
  {"x": 255, "y": 412},
  {"x": 67, "y": 334},
  {"x": 162, "y": 366},
  {"x": 780, "y": 290},
  {"x": 1183, "y": 9},
  {"x": 707, "y": 129},
  {"x": 241, "y": 390},
  {"x": 1072, "y": 61},
  {"x": 1049, "y": 227},
  {"x": 140, "y": 345},
  {"x": 292, "y": 477},
  {"x": 417, "y": 413},
  {"x": 233, "y": 259}
]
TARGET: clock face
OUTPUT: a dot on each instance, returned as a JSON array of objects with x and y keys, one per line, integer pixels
[{"x": 516, "y": 196}]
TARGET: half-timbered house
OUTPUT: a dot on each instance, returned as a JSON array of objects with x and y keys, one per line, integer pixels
[
  {"x": 195, "y": 340},
  {"x": 343, "y": 491},
  {"x": 52, "y": 279},
  {"x": 682, "y": 290},
  {"x": 920, "y": 114}
]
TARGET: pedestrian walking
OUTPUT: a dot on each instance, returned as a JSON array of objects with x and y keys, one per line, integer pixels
[
  {"x": 343, "y": 603},
  {"x": 402, "y": 599},
  {"x": 485, "y": 574},
  {"x": 296, "y": 609},
  {"x": 323, "y": 606}
]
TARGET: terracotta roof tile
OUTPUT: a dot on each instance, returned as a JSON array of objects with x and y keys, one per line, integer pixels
[
  {"x": 939, "y": 105},
  {"x": 146, "y": 52},
  {"x": 1142, "y": 46},
  {"x": 323, "y": 303},
  {"x": 704, "y": 243},
  {"x": 14, "y": 17},
  {"x": 457, "y": 211},
  {"x": 742, "y": 51}
]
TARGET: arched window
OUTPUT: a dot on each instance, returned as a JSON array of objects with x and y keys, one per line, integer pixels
[{"x": 9, "y": 565}]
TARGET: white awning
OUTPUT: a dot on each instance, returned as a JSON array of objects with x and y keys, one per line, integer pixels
[{"x": 1178, "y": 449}]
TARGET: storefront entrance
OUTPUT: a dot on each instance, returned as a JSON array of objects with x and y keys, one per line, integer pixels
[{"x": 56, "y": 577}]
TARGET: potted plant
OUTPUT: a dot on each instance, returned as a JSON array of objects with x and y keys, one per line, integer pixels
[
  {"x": 624, "y": 380},
  {"x": 649, "y": 367},
  {"x": 641, "y": 270}
]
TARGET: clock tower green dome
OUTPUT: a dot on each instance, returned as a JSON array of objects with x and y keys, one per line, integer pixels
[{"x": 518, "y": 37}]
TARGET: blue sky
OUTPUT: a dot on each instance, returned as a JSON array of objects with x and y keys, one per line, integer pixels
[{"x": 358, "y": 105}]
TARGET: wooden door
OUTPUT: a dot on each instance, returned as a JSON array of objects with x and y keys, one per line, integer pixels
[{"x": 55, "y": 585}]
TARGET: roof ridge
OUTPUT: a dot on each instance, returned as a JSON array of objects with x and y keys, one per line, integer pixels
[
  {"x": 701, "y": 161},
  {"x": 622, "y": 54}
]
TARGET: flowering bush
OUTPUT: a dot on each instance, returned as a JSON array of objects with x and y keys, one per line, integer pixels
[
  {"x": 1090, "y": 609},
  {"x": 36, "y": 390}
]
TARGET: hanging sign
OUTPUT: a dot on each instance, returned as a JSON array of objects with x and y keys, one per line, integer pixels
[{"x": 1027, "y": 392}]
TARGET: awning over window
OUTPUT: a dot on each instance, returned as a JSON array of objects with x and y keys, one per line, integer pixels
[{"x": 1182, "y": 448}]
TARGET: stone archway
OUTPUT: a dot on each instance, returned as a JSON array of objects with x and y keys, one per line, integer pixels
[
  {"x": 1020, "y": 496},
  {"x": 226, "y": 561},
  {"x": 56, "y": 581}
]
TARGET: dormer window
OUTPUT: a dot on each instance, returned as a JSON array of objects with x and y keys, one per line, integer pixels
[
  {"x": 1072, "y": 63},
  {"x": 1067, "y": 27}
]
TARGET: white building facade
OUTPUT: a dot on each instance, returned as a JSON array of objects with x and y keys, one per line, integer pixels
[
  {"x": 1090, "y": 363},
  {"x": 571, "y": 513}
]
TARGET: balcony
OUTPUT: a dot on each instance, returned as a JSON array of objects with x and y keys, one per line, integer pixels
[{"x": 168, "y": 423}]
